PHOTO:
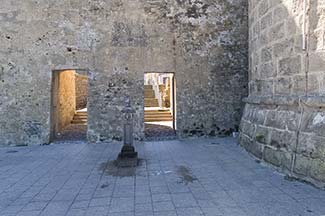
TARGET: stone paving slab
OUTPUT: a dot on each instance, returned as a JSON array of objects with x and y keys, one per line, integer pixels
[{"x": 209, "y": 177}]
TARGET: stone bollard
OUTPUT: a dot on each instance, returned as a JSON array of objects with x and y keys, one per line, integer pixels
[{"x": 128, "y": 157}]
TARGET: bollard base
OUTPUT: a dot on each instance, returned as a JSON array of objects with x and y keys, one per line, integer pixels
[{"x": 128, "y": 157}]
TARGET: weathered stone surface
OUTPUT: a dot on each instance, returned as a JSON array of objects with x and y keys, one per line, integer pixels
[
  {"x": 283, "y": 140},
  {"x": 263, "y": 135},
  {"x": 317, "y": 63},
  {"x": 283, "y": 86},
  {"x": 283, "y": 48},
  {"x": 317, "y": 170},
  {"x": 204, "y": 42},
  {"x": 247, "y": 128},
  {"x": 299, "y": 85},
  {"x": 253, "y": 147},
  {"x": 272, "y": 156},
  {"x": 311, "y": 146},
  {"x": 315, "y": 123},
  {"x": 266, "y": 21},
  {"x": 264, "y": 87},
  {"x": 289, "y": 66},
  {"x": 302, "y": 165},
  {"x": 277, "y": 32},
  {"x": 266, "y": 55},
  {"x": 293, "y": 95},
  {"x": 286, "y": 120}
]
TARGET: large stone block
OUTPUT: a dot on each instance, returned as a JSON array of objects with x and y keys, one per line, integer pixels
[
  {"x": 290, "y": 66},
  {"x": 311, "y": 146},
  {"x": 247, "y": 128},
  {"x": 299, "y": 85},
  {"x": 272, "y": 156},
  {"x": 285, "y": 120},
  {"x": 283, "y": 48},
  {"x": 263, "y": 39},
  {"x": 317, "y": 62},
  {"x": 266, "y": 21},
  {"x": 277, "y": 32},
  {"x": 283, "y": 86},
  {"x": 284, "y": 140},
  {"x": 314, "y": 123},
  {"x": 313, "y": 84},
  {"x": 266, "y": 54},
  {"x": 302, "y": 165},
  {"x": 251, "y": 146},
  {"x": 263, "y": 135},
  {"x": 263, "y": 7},
  {"x": 317, "y": 170},
  {"x": 264, "y": 87},
  {"x": 267, "y": 70},
  {"x": 280, "y": 13}
]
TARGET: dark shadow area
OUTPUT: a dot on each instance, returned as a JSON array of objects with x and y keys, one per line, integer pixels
[{"x": 158, "y": 131}]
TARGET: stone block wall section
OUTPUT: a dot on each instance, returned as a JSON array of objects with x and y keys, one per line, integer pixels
[
  {"x": 284, "y": 118},
  {"x": 81, "y": 91},
  {"x": 205, "y": 42}
]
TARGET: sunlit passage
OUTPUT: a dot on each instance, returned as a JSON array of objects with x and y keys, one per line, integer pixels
[
  {"x": 69, "y": 105},
  {"x": 159, "y": 104}
]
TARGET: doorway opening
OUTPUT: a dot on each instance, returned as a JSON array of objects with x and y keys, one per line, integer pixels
[
  {"x": 159, "y": 105},
  {"x": 69, "y": 105}
]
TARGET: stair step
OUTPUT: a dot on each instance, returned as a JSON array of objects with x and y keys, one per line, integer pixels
[
  {"x": 79, "y": 121},
  {"x": 81, "y": 114},
  {"x": 149, "y": 95},
  {"x": 158, "y": 120},
  {"x": 157, "y": 114},
  {"x": 157, "y": 110},
  {"x": 80, "y": 117},
  {"x": 148, "y": 87}
]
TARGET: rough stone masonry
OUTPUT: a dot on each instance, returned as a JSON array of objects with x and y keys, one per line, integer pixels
[
  {"x": 203, "y": 41},
  {"x": 219, "y": 51}
]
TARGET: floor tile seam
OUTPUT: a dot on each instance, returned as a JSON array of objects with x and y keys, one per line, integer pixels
[
  {"x": 63, "y": 158},
  {"x": 94, "y": 167}
]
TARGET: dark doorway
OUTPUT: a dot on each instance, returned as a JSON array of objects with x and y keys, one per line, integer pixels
[
  {"x": 159, "y": 105},
  {"x": 69, "y": 105}
]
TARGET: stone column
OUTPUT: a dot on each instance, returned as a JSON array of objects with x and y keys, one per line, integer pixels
[{"x": 128, "y": 157}]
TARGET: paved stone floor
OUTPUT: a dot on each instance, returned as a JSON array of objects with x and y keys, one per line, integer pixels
[{"x": 175, "y": 178}]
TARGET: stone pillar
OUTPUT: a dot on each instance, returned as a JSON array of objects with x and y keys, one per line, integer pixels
[{"x": 128, "y": 157}]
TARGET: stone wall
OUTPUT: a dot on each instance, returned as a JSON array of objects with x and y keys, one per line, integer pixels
[
  {"x": 81, "y": 91},
  {"x": 67, "y": 98},
  {"x": 204, "y": 42},
  {"x": 284, "y": 117}
]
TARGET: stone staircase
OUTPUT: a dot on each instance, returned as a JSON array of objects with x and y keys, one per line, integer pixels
[
  {"x": 157, "y": 115},
  {"x": 80, "y": 118},
  {"x": 149, "y": 97}
]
